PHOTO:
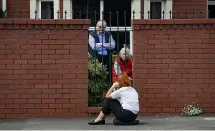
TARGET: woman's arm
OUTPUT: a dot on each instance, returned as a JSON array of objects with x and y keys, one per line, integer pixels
[{"x": 115, "y": 85}]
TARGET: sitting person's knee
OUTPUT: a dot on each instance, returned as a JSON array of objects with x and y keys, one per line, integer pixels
[{"x": 106, "y": 102}]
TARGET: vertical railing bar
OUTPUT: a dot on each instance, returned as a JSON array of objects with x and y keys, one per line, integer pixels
[
  {"x": 110, "y": 53},
  {"x": 125, "y": 34},
  {"x": 87, "y": 9},
  {"x": 35, "y": 14},
  {"x": 95, "y": 53},
  {"x": 102, "y": 38},
  {"x": 117, "y": 19},
  {"x": 65, "y": 14}
]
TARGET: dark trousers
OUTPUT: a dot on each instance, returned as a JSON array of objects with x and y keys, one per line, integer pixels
[{"x": 121, "y": 114}]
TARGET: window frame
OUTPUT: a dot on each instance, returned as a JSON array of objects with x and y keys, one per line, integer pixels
[
  {"x": 208, "y": 4},
  {"x": 40, "y": 7},
  {"x": 166, "y": 6},
  {"x": 161, "y": 6},
  {"x": 36, "y": 5}
]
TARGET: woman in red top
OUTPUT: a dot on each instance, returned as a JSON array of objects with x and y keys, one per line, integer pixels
[{"x": 122, "y": 63}]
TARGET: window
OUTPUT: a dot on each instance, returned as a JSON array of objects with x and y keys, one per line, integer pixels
[
  {"x": 86, "y": 9},
  {"x": 211, "y": 9},
  {"x": 156, "y": 8},
  {"x": 122, "y": 35},
  {"x": 47, "y": 10}
]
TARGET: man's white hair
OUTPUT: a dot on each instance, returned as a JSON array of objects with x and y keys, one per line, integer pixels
[
  {"x": 104, "y": 23},
  {"x": 125, "y": 50}
]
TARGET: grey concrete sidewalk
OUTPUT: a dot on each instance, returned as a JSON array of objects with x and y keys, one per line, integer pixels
[{"x": 147, "y": 123}]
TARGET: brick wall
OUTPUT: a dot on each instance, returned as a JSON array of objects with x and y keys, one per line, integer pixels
[
  {"x": 43, "y": 68},
  {"x": 14, "y": 7},
  {"x": 189, "y": 6},
  {"x": 174, "y": 64}
]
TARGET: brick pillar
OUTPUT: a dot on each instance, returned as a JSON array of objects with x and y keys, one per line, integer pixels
[
  {"x": 174, "y": 64},
  {"x": 44, "y": 68}
]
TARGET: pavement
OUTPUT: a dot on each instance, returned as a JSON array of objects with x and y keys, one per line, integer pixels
[{"x": 146, "y": 123}]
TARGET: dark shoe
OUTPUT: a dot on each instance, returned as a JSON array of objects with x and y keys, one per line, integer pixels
[{"x": 102, "y": 122}]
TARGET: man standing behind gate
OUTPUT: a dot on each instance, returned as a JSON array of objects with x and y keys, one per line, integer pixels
[{"x": 101, "y": 43}]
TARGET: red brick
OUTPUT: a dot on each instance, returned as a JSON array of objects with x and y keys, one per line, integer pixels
[
  {"x": 55, "y": 95},
  {"x": 55, "y": 86},
  {"x": 34, "y": 111},
  {"x": 63, "y": 101},
  {"x": 13, "y": 96},
  {"x": 48, "y": 52},
  {"x": 62, "y": 110},
  {"x": 168, "y": 110},
  {"x": 69, "y": 37},
  {"x": 154, "y": 110},
  {"x": 48, "y": 61},
  {"x": 41, "y": 47},
  {"x": 48, "y": 101},
  {"x": 31, "y": 57},
  {"x": 55, "y": 105},
  {"x": 41, "y": 36},
  {"x": 43, "y": 66},
  {"x": 69, "y": 106},
  {"x": 20, "y": 101},
  {"x": 55, "y": 37},
  {"x": 40, "y": 96},
  {"x": 12, "y": 105},
  {"x": 55, "y": 57},
  {"x": 69, "y": 95},
  {"x": 19, "y": 111},
  {"x": 6, "y": 111},
  {"x": 27, "y": 96},
  {"x": 40, "y": 106},
  {"x": 42, "y": 86},
  {"x": 32, "y": 101},
  {"x": 62, "y": 51}
]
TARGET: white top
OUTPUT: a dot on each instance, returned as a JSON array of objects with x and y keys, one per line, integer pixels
[{"x": 128, "y": 98}]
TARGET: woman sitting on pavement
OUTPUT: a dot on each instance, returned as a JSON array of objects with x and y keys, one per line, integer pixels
[
  {"x": 123, "y": 102},
  {"x": 122, "y": 63}
]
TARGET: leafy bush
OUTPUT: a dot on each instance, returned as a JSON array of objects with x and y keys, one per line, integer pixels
[
  {"x": 98, "y": 82},
  {"x": 192, "y": 110}
]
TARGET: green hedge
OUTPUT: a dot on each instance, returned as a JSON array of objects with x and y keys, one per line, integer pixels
[{"x": 98, "y": 82}]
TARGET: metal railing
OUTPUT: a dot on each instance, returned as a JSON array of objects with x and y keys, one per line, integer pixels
[{"x": 175, "y": 14}]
